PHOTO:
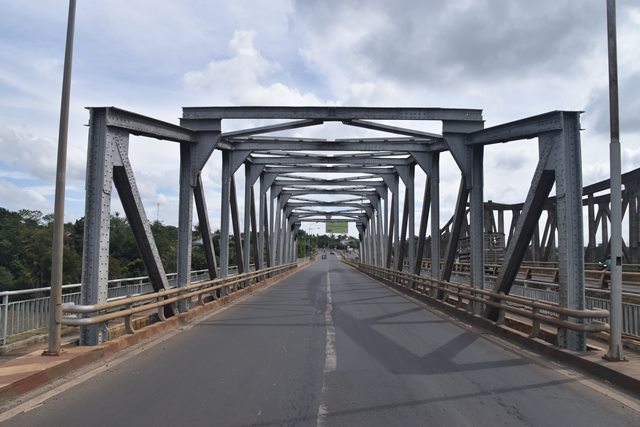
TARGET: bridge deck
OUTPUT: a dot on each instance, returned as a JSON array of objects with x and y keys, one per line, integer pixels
[{"x": 328, "y": 346}]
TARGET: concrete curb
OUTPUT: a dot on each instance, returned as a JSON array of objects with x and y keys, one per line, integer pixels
[
  {"x": 582, "y": 362},
  {"x": 74, "y": 357}
]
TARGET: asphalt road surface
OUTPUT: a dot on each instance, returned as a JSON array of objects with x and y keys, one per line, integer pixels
[{"x": 328, "y": 346}]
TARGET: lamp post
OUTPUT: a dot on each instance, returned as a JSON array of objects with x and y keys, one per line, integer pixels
[
  {"x": 55, "y": 299},
  {"x": 615, "y": 352}
]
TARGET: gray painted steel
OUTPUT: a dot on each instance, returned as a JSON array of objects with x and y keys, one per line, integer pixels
[
  {"x": 332, "y": 113},
  {"x": 278, "y": 162}
]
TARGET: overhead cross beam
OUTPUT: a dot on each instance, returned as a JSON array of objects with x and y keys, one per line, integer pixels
[{"x": 332, "y": 113}]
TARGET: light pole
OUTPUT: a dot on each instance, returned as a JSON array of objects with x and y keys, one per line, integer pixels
[
  {"x": 55, "y": 299},
  {"x": 615, "y": 338}
]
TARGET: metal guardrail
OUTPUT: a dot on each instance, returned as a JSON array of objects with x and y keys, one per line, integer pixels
[
  {"x": 590, "y": 320},
  {"x": 548, "y": 291},
  {"x": 125, "y": 308},
  {"x": 527, "y": 271},
  {"x": 27, "y": 310},
  {"x": 630, "y": 312}
]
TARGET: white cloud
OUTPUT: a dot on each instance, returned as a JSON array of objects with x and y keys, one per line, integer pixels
[
  {"x": 513, "y": 59},
  {"x": 15, "y": 198},
  {"x": 246, "y": 78}
]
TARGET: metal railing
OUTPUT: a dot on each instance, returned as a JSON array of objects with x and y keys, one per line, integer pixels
[
  {"x": 125, "y": 308},
  {"x": 548, "y": 291},
  {"x": 465, "y": 296},
  {"x": 630, "y": 312},
  {"x": 549, "y": 273},
  {"x": 27, "y": 310}
]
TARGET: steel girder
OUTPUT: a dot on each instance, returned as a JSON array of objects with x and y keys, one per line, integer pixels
[
  {"x": 332, "y": 113},
  {"x": 391, "y": 159}
]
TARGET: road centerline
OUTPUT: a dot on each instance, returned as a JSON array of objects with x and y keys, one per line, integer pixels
[{"x": 331, "y": 359}]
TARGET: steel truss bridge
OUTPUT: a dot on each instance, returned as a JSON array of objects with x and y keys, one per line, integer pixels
[{"x": 288, "y": 189}]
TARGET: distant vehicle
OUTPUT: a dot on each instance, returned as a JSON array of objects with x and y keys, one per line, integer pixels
[{"x": 332, "y": 253}]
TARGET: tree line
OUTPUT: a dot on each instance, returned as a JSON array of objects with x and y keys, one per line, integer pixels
[{"x": 25, "y": 249}]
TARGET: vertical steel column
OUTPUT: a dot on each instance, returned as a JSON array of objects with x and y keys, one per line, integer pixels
[
  {"x": 369, "y": 243},
  {"x": 286, "y": 239},
  {"x": 403, "y": 233},
  {"x": 185, "y": 218},
  {"x": 385, "y": 232},
  {"x": 282, "y": 235},
  {"x": 365, "y": 242},
  {"x": 412, "y": 219},
  {"x": 569, "y": 225},
  {"x": 424, "y": 218},
  {"x": 248, "y": 205},
  {"x": 95, "y": 249},
  {"x": 435, "y": 217},
  {"x": 235, "y": 220},
  {"x": 380, "y": 235},
  {"x": 277, "y": 231},
  {"x": 634, "y": 229},
  {"x": 396, "y": 214},
  {"x": 262, "y": 222},
  {"x": 391, "y": 231},
  {"x": 267, "y": 231},
  {"x": 294, "y": 244},
  {"x": 604, "y": 227},
  {"x": 275, "y": 222},
  {"x": 476, "y": 232},
  {"x": 225, "y": 201},
  {"x": 254, "y": 232},
  {"x": 591, "y": 225},
  {"x": 363, "y": 245},
  {"x": 294, "y": 250},
  {"x": 374, "y": 238},
  {"x": 361, "y": 251},
  {"x": 286, "y": 231}
]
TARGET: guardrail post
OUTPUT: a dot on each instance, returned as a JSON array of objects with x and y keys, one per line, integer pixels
[
  {"x": 161, "y": 315},
  {"x": 5, "y": 319},
  {"x": 471, "y": 303},
  {"x": 603, "y": 280},
  {"x": 501, "y": 313},
  {"x": 535, "y": 326},
  {"x": 128, "y": 324}
]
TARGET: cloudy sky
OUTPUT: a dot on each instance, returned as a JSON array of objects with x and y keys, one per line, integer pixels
[{"x": 510, "y": 58}]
